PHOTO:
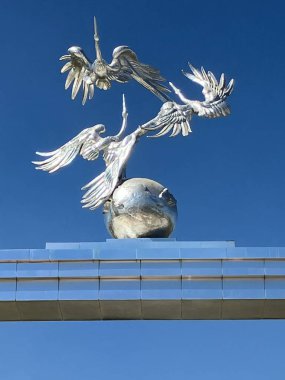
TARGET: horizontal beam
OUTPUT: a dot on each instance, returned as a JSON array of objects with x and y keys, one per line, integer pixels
[{"x": 142, "y": 279}]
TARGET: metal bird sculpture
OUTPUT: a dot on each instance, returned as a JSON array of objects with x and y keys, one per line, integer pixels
[
  {"x": 88, "y": 143},
  {"x": 123, "y": 67},
  {"x": 172, "y": 118},
  {"x": 176, "y": 118},
  {"x": 116, "y": 153}
]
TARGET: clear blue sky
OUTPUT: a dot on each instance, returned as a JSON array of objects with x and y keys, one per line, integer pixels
[{"x": 228, "y": 176}]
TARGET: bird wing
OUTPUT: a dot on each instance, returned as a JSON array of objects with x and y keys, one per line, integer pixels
[
  {"x": 101, "y": 188},
  {"x": 80, "y": 73},
  {"x": 83, "y": 144},
  {"x": 215, "y": 93},
  {"x": 125, "y": 65},
  {"x": 171, "y": 117}
]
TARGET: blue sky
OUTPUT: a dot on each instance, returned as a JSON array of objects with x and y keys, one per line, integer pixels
[{"x": 228, "y": 176}]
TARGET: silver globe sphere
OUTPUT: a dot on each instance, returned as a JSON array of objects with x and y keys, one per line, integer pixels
[{"x": 140, "y": 208}]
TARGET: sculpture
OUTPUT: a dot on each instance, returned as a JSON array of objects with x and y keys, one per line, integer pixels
[
  {"x": 172, "y": 119},
  {"x": 124, "y": 66}
]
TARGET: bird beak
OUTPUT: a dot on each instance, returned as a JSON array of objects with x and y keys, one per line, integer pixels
[{"x": 96, "y": 39}]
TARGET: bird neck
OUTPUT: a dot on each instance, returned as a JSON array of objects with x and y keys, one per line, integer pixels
[{"x": 98, "y": 50}]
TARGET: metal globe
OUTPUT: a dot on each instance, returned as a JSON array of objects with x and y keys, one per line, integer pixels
[{"x": 140, "y": 208}]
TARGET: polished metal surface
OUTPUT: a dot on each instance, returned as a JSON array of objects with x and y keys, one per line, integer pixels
[
  {"x": 140, "y": 208},
  {"x": 120, "y": 289},
  {"x": 78, "y": 288},
  {"x": 198, "y": 268},
  {"x": 116, "y": 152},
  {"x": 32, "y": 289},
  {"x": 202, "y": 288},
  {"x": 142, "y": 279},
  {"x": 141, "y": 211},
  {"x": 201, "y": 309},
  {"x": 124, "y": 67},
  {"x": 175, "y": 118},
  {"x": 124, "y": 268}
]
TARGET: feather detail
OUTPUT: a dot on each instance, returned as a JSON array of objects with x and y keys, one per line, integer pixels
[
  {"x": 215, "y": 93},
  {"x": 64, "y": 155}
]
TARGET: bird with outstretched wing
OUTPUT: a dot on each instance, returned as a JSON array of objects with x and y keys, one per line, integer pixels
[
  {"x": 88, "y": 143},
  {"x": 116, "y": 153},
  {"x": 175, "y": 118},
  {"x": 123, "y": 67},
  {"x": 172, "y": 118}
]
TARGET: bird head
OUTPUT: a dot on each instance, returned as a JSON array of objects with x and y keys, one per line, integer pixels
[{"x": 75, "y": 50}]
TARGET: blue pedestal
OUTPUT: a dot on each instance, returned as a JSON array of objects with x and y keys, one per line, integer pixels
[{"x": 142, "y": 279}]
